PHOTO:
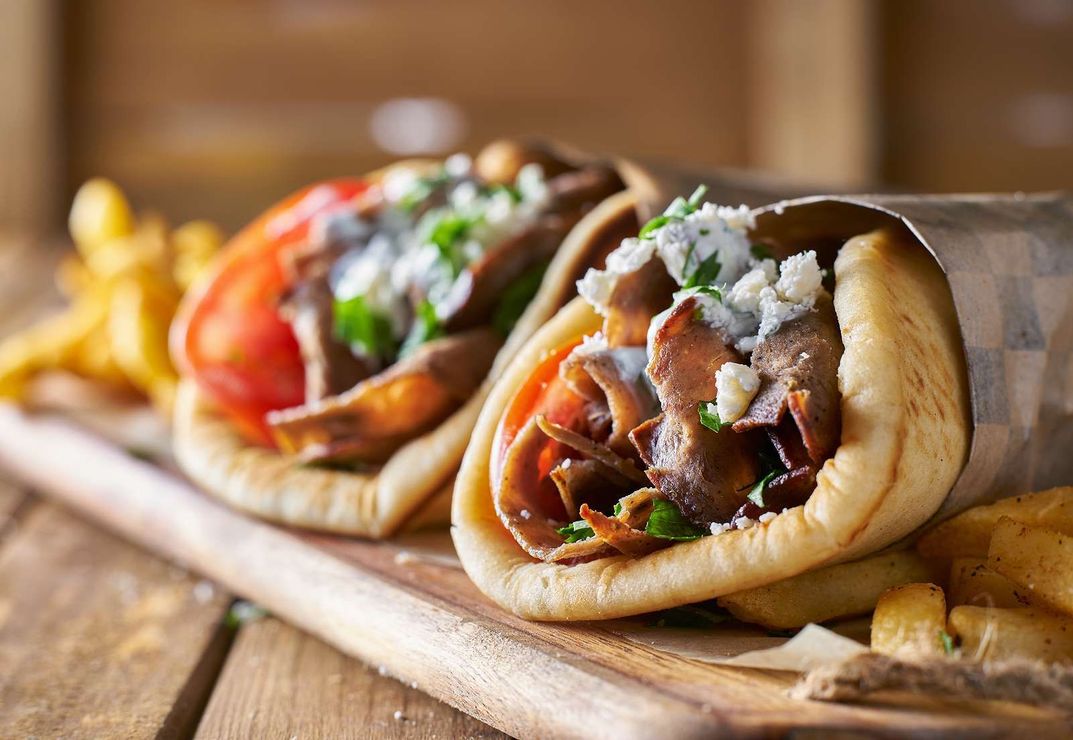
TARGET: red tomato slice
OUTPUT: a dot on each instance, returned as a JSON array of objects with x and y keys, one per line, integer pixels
[
  {"x": 544, "y": 392},
  {"x": 228, "y": 334}
]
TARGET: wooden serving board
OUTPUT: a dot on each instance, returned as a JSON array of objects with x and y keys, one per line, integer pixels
[{"x": 407, "y": 608}]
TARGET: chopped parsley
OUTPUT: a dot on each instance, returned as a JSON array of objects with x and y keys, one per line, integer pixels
[
  {"x": 667, "y": 523},
  {"x": 426, "y": 327},
  {"x": 576, "y": 531},
  {"x": 756, "y": 493},
  {"x": 516, "y": 298},
  {"x": 446, "y": 230},
  {"x": 772, "y": 467},
  {"x": 678, "y": 209},
  {"x": 706, "y": 273},
  {"x": 709, "y": 417},
  {"x": 947, "y": 641},
  {"x": 358, "y": 324}
]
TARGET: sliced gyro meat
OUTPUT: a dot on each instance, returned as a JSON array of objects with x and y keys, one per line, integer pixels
[
  {"x": 376, "y": 417},
  {"x": 798, "y": 369},
  {"x": 701, "y": 471},
  {"x": 615, "y": 379}
]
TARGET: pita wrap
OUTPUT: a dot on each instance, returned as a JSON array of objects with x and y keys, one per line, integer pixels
[
  {"x": 412, "y": 488},
  {"x": 905, "y": 435}
]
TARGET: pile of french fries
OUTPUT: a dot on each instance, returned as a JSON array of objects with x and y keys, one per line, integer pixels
[
  {"x": 123, "y": 286},
  {"x": 993, "y": 583}
]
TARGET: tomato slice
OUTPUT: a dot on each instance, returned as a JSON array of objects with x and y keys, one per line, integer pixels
[
  {"x": 228, "y": 334},
  {"x": 544, "y": 392}
]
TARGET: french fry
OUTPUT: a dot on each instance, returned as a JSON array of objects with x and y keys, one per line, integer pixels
[
  {"x": 1038, "y": 559},
  {"x": 139, "y": 317},
  {"x": 910, "y": 621},
  {"x": 124, "y": 285},
  {"x": 969, "y": 533},
  {"x": 1000, "y": 634},
  {"x": 57, "y": 342},
  {"x": 100, "y": 214},
  {"x": 843, "y": 590},
  {"x": 194, "y": 243},
  {"x": 972, "y": 582}
]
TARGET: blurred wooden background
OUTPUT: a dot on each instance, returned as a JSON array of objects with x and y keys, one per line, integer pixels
[{"x": 205, "y": 108}]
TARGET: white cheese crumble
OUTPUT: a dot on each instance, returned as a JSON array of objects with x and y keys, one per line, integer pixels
[
  {"x": 766, "y": 517},
  {"x": 597, "y": 285},
  {"x": 684, "y": 244},
  {"x": 368, "y": 273},
  {"x": 713, "y": 230},
  {"x": 735, "y": 387},
  {"x": 757, "y": 304}
]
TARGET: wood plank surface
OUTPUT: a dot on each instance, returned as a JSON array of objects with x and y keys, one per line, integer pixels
[
  {"x": 99, "y": 640},
  {"x": 421, "y": 619},
  {"x": 280, "y": 682}
]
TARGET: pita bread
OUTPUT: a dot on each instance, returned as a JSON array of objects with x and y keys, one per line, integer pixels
[
  {"x": 905, "y": 437},
  {"x": 379, "y": 502}
]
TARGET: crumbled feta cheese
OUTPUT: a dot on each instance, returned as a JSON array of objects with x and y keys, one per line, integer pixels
[
  {"x": 800, "y": 278},
  {"x": 566, "y": 464},
  {"x": 766, "y": 517},
  {"x": 368, "y": 273},
  {"x": 735, "y": 387},
  {"x": 745, "y": 294},
  {"x": 531, "y": 183},
  {"x": 685, "y": 244},
  {"x": 597, "y": 285},
  {"x": 743, "y": 522},
  {"x": 525, "y": 514},
  {"x": 719, "y": 528}
]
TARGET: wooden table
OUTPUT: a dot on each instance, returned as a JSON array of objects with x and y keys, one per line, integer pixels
[{"x": 98, "y": 638}]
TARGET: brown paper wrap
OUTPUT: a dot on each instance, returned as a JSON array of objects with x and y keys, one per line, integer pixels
[{"x": 1009, "y": 263}]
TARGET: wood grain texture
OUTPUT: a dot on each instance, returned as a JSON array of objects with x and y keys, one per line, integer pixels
[
  {"x": 98, "y": 640},
  {"x": 280, "y": 682},
  {"x": 423, "y": 620}
]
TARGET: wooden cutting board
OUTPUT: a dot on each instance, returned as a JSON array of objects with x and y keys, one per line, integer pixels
[{"x": 408, "y": 608}]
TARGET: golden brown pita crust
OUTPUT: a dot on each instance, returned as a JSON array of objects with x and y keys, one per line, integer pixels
[
  {"x": 409, "y": 489},
  {"x": 905, "y": 437}
]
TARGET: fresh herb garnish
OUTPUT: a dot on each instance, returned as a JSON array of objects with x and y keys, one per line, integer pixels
[
  {"x": 709, "y": 417},
  {"x": 707, "y": 271},
  {"x": 445, "y": 232},
  {"x": 356, "y": 323},
  {"x": 618, "y": 508},
  {"x": 653, "y": 225},
  {"x": 689, "y": 617},
  {"x": 756, "y": 493},
  {"x": 947, "y": 641},
  {"x": 771, "y": 467},
  {"x": 667, "y": 523},
  {"x": 576, "y": 531},
  {"x": 426, "y": 327},
  {"x": 678, "y": 209},
  {"x": 762, "y": 252},
  {"x": 516, "y": 298}
]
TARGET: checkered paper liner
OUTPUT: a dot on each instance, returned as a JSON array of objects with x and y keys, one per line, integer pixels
[{"x": 1009, "y": 262}]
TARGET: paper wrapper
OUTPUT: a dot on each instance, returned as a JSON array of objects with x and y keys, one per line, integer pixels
[{"x": 1009, "y": 262}]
